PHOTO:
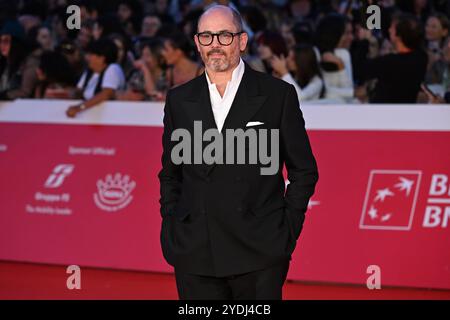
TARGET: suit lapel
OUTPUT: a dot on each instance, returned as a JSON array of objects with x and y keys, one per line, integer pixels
[
  {"x": 245, "y": 105},
  {"x": 246, "y": 102},
  {"x": 198, "y": 105}
]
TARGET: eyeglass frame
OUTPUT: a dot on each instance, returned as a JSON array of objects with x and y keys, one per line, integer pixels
[{"x": 233, "y": 34}]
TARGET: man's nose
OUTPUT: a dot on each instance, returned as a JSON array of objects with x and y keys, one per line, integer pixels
[{"x": 216, "y": 43}]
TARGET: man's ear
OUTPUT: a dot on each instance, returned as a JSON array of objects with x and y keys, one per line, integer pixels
[
  {"x": 196, "y": 43},
  {"x": 243, "y": 40}
]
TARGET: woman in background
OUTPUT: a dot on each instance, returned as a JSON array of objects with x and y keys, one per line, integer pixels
[
  {"x": 335, "y": 62},
  {"x": 17, "y": 72},
  {"x": 436, "y": 34},
  {"x": 147, "y": 82},
  {"x": 302, "y": 61},
  {"x": 176, "y": 52},
  {"x": 271, "y": 44}
]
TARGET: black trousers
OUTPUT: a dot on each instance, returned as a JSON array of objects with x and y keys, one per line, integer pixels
[{"x": 265, "y": 284}]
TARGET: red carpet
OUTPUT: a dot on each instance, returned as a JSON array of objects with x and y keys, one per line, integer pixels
[{"x": 36, "y": 281}]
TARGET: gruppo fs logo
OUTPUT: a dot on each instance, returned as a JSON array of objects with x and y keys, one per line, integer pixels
[
  {"x": 390, "y": 199},
  {"x": 59, "y": 173},
  {"x": 114, "y": 193}
]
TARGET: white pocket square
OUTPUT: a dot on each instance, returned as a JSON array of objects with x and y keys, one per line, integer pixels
[{"x": 254, "y": 123}]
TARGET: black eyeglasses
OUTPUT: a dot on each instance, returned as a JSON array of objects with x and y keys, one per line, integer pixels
[{"x": 225, "y": 38}]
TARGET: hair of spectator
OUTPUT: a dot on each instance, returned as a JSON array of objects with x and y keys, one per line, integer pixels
[
  {"x": 89, "y": 5},
  {"x": 410, "y": 30},
  {"x": 109, "y": 24},
  {"x": 237, "y": 19},
  {"x": 121, "y": 38},
  {"x": 303, "y": 32},
  {"x": 56, "y": 68},
  {"x": 274, "y": 41},
  {"x": 179, "y": 40},
  {"x": 306, "y": 63},
  {"x": 329, "y": 31},
  {"x": 17, "y": 54},
  {"x": 254, "y": 18},
  {"x": 104, "y": 47},
  {"x": 155, "y": 45}
]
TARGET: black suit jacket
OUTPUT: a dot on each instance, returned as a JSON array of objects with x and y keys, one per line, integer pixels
[{"x": 225, "y": 219}]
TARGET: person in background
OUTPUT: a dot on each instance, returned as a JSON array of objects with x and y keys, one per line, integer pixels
[
  {"x": 302, "y": 61},
  {"x": 125, "y": 57},
  {"x": 150, "y": 26},
  {"x": 88, "y": 10},
  {"x": 42, "y": 37},
  {"x": 102, "y": 78},
  {"x": 129, "y": 14},
  {"x": 440, "y": 75},
  {"x": 286, "y": 32},
  {"x": 271, "y": 44},
  {"x": 147, "y": 82},
  {"x": 347, "y": 38},
  {"x": 29, "y": 21},
  {"x": 303, "y": 33},
  {"x": 398, "y": 75},
  {"x": 73, "y": 55},
  {"x": 436, "y": 34},
  {"x": 106, "y": 25},
  {"x": 56, "y": 77},
  {"x": 85, "y": 35},
  {"x": 17, "y": 71},
  {"x": 335, "y": 60},
  {"x": 176, "y": 52}
]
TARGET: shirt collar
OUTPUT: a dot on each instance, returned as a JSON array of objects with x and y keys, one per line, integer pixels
[{"x": 239, "y": 70}]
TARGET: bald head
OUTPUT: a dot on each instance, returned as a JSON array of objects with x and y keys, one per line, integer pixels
[{"x": 222, "y": 13}]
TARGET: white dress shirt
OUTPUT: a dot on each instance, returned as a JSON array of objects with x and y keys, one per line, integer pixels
[{"x": 221, "y": 105}]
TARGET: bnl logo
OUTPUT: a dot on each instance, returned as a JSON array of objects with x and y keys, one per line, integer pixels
[
  {"x": 59, "y": 173},
  {"x": 390, "y": 200}
]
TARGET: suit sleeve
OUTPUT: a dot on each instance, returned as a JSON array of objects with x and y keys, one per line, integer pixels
[
  {"x": 170, "y": 176},
  {"x": 300, "y": 162}
]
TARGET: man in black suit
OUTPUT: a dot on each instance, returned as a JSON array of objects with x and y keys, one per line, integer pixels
[{"x": 228, "y": 229}]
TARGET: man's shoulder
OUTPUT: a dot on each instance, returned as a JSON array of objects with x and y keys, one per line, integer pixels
[
  {"x": 269, "y": 83},
  {"x": 188, "y": 88}
]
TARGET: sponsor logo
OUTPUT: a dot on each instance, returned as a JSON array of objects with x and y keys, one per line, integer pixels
[
  {"x": 114, "y": 192},
  {"x": 390, "y": 199}
]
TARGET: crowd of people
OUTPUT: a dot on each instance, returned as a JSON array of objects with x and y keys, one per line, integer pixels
[{"x": 138, "y": 49}]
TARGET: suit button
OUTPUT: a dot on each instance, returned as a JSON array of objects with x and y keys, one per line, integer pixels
[
  {"x": 238, "y": 178},
  {"x": 239, "y": 209},
  {"x": 203, "y": 211},
  {"x": 208, "y": 179}
]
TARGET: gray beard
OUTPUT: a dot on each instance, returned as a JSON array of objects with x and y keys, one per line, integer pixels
[{"x": 219, "y": 65}]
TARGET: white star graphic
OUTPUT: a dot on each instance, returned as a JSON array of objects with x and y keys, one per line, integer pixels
[
  {"x": 383, "y": 193},
  {"x": 405, "y": 184},
  {"x": 386, "y": 217},
  {"x": 372, "y": 213}
]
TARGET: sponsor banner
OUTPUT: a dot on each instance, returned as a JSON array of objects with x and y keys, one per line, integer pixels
[{"x": 87, "y": 194}]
